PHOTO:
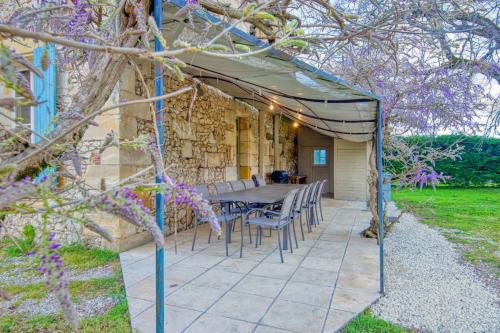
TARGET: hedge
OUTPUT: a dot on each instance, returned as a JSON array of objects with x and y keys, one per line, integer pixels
[{"x": 479, "y": 162}]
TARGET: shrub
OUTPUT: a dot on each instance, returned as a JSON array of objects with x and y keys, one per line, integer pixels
[{"x": 479, "y": 162}]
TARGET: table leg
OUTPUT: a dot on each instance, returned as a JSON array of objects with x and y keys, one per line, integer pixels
[{"x": 229, "y": 223}]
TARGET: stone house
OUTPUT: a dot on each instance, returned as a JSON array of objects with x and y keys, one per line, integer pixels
[{"x": 238, "y": 126}]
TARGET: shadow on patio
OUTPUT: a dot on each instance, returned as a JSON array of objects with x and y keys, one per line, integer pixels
[{"x": 329, "y": 279}]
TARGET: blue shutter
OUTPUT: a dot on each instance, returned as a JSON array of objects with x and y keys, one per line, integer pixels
[{"x": 44, "y": 90}]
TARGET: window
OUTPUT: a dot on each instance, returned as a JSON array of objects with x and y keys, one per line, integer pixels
[{"x": 319, "y": 156}]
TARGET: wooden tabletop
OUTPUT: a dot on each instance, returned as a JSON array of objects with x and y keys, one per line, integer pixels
[{"x": 263, "y": 194}]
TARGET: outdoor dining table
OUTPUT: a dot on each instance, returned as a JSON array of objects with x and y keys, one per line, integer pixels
[{"x": 269, "y": 194}]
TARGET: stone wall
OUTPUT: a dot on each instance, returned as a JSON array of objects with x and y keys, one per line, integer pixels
[{"x": 200, "y": 147}]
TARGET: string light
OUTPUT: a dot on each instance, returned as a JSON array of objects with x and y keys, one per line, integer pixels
[
  {"x": 271, "y": 106},
  {"x": 295, "y": 124}
]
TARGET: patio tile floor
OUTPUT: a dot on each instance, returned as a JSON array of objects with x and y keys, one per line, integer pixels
[{"x": 328, "y": 280}]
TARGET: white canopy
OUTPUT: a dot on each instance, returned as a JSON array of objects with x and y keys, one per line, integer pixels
[{"x": 306, "y": 94}]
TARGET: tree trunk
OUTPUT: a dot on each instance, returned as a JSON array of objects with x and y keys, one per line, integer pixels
[{"x": 372, "y": 230}]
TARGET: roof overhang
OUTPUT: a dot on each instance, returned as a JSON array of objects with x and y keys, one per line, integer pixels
[{"x": 302, "y": 92}]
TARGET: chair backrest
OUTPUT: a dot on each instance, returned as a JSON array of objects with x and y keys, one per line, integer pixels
[
  {"x": 305, "y": 196},
  {"x": 321, "y": 186},
  {"x": 202, "y": 189},
  {"x": 222, "y": 187},
  {"x": 259, "y": 180},
  {"x": 248, "y": 183},
  {"x": 237, "y": 185},
  {"x": 287, "y": 206},
  {"x": 312, "y": 194},
  {"x": 298, "y": 202}
]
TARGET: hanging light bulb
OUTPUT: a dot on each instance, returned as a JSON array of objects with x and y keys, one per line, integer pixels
[
  {"x": 295, "y": 124},
  {"x": 271, "y": 106}
]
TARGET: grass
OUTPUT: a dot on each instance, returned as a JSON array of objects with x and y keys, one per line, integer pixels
[
  {"x": 114, "y": 320},
  {"x": 367, "y": 323},
  {"x": 76, "y": 258},
  {"x": 469, "y": 217}
]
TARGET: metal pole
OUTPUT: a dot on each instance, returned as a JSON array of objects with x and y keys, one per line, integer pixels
[
  {"x": 380, "y": 201},
  {"x": 158, "y": 81}
]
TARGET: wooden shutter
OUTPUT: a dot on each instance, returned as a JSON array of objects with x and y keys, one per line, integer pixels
[{"x": 44, "y": 89}]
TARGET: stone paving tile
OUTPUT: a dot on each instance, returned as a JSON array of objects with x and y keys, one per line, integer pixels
[
  {"x": 146, "y": 289},
  {"x": 217, "y": 279},
  {"x": 183, "y": 273},
  {"x": 331, "y": 265},
  {"x": 352, "y": 300},
  {"x": 176, "y": 319},
  {"x": 130, "y": 277},
  {"x": 314, "y": 276},
  {"x": 332, "y": 253},
  {"x": 288, "y": 258},
  {"x": 209, "y": 323},
  {"x": 259, "y": 285},
  {"x": 257, "y": 293},
  {"x": 202, "y": 260},
  {"x": 136, "y": 306},
  {"x": 195, "y": 297},
  {"x": 268, "y": 329},
  {"x": 362, "y": 282},
  {"x": 277, "y": 271},
  {"x": 241, "y": 306},
  {"x": 337, "y": 319},
  {"x": 307, "y": 293},
  {"x": 295, "y": 317},
  {"x": 236, "y": 265}
]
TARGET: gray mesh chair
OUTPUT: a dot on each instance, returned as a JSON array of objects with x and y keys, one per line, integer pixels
[
  {"x": 273, "y": 220},
  {"x": 317, "y": 199},
  {"x": 237, "y": 185},
  {"x": 222, "y": 187},
  {"x": 259, "y": 180},
  {"x": 297, "y": 211},
  {"x": 307, "y": 205},
  {"x": 312, "y": 202},
  {"x": 248, "y": 184},
  {"x": 198, "y": 219}
]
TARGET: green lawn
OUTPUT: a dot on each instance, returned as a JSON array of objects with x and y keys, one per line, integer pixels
[
  {"x": 367, "y": 323},
  {"x": 469, "y": 216},
  {"x": 76, "y": 258}
]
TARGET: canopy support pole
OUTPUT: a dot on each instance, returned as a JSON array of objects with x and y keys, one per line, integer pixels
[
  {"x": 158, "y": 83},
  {"x": 380, "y": 201}
]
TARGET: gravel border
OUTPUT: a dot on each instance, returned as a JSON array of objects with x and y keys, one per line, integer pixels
[{"x": 429, "y": 288}]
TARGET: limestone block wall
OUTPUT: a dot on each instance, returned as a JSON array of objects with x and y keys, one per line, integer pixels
[{"x": 200, "y": 147}]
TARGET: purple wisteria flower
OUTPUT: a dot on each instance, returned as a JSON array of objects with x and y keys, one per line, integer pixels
[
  {"x": 51, "y": 268},
  {"x": 183, "y": 194}
]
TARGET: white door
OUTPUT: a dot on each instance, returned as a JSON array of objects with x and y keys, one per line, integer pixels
[{"x": 350, "y": 175}]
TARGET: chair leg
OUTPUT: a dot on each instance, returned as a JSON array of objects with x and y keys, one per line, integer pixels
[
  {"x": 242, "y": 237},
  {"x": 257, "y": 237},
  {"x": 260, "y": 238},
  {"x": 279, "y": 245},
  {"x": 308, "y": 219},
  {"x": 289, "y": 234},
  {"x": 301, "y": 227},
  {"x": 250, "y": 233},
  {"x": 226, "y": 238},
  {"x": 294, "y": 235},
  {"x": 316, "y": 212},
  {"x": 270, "y": 232},
  {"x": 321, "y": 210},
  {"x": 209, "y": 235},
  {"x": 194, "y": 234}
]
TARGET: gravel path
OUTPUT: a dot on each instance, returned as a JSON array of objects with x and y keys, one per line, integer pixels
[
  {"x": 428, "y": 288},
  {"x": 50, "y": 305}
]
